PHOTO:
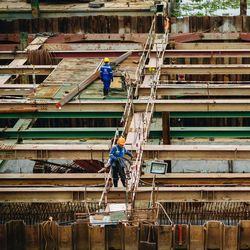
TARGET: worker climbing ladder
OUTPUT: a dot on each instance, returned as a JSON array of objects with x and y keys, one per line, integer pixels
[
  {"x": 152, "y": 59},
  {"x": 137, "y": 124}
]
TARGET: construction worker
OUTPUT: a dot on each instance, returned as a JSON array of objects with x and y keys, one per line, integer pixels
[
  {"x": 117, "y": 163},
  {"x": 106, "y": 75}
]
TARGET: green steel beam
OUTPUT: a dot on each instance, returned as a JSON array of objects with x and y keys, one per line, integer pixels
[
  {"x": 233, "y": 114},
  {"x": 231, "y": 132},
  {"x": 59, "y": 115},
  {"x": 175, "y": 132}
]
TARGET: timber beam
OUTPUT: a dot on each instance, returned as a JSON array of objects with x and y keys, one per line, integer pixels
[
  {"x": 198, "y": 90},
  {"x": 204, "y": 69},
  {"x": 170, "y": 179},
  {"x": 186, "y": 105},
  {"x": 164, "y": 194},
  {"x": 101, "y": 152}
]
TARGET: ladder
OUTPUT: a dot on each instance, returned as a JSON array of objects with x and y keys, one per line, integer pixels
[{"x": 157, "y": 44}]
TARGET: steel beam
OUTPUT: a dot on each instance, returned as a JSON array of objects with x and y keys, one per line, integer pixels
[
  {"x": 211, "y": 46},
  {"x": 93, "y": 115},
  {"x": 164, "y": 194},
  {"x": 185, "y": 89},
  {"x": 184, "y": 105},
  {"x": 27, "y": 69},
  {"x": 58, "y": 115},
  {"x": 108, "y": 133},
  {"x": 198, "y": 90},
  {"x": 209, "y": 53},
  {"x": 204, "y": 69},
  {"x": 170, "y": 179},
  {"x": 101, "y": 152},
  {"x": 185, "y": 132}
]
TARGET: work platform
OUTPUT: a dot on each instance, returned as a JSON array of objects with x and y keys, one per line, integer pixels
[{"x": 175, "y": 81}]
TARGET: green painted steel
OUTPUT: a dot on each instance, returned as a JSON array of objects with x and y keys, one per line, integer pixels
[
  {"x": 57, "y": 115},
  {"x": 23, "y": 40},
  {"x": 78, "y": 133},
  {"x": 106, "y": 114},
  {"x": 218, "y": 114}
]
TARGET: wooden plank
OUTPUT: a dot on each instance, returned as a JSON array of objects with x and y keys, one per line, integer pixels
[{"x": 34, "y": 45}]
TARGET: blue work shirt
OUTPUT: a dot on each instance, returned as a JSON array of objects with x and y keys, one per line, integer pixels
[
  {"x": 117, "y": 152},
  {"x": 106, "y": 73}
]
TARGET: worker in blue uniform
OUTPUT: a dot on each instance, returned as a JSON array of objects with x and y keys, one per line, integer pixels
[
  {"x": 117, "y": 164},
  {"x": 106, "y": 75}
]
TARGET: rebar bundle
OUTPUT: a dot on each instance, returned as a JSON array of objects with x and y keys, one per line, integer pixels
[{"x": 197, "y": 213}]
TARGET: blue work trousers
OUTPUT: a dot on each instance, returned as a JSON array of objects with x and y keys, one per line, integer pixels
[{"x": 106, "y": 85}]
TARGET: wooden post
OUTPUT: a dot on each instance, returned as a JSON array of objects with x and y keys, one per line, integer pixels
[{"x": 166, "y": 134}]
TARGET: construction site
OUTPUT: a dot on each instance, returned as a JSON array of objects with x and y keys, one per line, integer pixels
[{"x": 176, "y": 108}]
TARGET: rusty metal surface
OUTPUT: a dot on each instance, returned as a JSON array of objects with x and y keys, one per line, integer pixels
[
  {"x": 45, "y": 92},
  {"x": 80, "y": 235}
]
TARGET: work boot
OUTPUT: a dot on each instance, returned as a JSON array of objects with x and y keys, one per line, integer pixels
[
  {"x": 115, "y": 182},
  {"x": 124, "y": 182}
]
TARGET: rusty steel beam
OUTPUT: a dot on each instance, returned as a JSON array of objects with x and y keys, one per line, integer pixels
[
  {"x": 216, "y": 53},
  {"x": 204, "y": 69},
  {"x": 211, "y": 53},
  {"x": 101, "y": 152},
  {"x": 27, "y": 69},
  {"x": 73, "y": 53},
  {"x": 164, "y": 194},
  {"x": 187, "y": 37},
  {"x": 212, "y": 46},
  {"x": 86, "y": 179},
  {"x": 228, "y": 105},
  {"x": 133, "y": 37},
  {"x": 187, "y": 89}
]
